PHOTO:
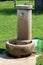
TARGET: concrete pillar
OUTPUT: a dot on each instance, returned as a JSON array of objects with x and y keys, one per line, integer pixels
[{"x": 24, "y": 26}]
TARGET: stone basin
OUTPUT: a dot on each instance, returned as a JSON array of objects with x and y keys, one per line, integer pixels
[{"x": 20, "y": 47}]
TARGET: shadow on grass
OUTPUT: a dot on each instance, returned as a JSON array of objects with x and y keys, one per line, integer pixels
[
  {"x": 41, "y": 38},
  {"x": 8, "y": 11},
  {"x": 13, "y": 11},
  {"x": 2, "y": 50},
  {"x": 37, "y": 12}
]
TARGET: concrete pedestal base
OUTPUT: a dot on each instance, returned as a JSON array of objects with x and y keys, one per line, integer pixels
[{"x": 6, "y": 60}]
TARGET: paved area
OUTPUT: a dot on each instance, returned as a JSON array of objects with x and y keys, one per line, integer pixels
[{"x": 7, "y": 60}]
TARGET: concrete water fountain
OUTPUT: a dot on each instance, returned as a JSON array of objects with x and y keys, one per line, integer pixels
[{"x": 23, "y": 45}]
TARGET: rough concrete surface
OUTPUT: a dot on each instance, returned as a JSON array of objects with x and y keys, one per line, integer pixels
[{"x": 7, "y": 60}]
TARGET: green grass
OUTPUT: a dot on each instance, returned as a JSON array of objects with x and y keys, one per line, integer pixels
[
  {"x": 38, "y": 24},
  {"x": 8, "y": 24},
  {"x": 8, "y": 21}
]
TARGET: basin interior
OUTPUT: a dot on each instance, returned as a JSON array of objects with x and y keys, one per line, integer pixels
[{"x": 20, "y": 42}]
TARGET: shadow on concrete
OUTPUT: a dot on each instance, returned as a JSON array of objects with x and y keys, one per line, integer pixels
[
  {"x": 4, "y": 55},
  {"x": 9, "y": 11},
  {"x": 2, "y": 50}
]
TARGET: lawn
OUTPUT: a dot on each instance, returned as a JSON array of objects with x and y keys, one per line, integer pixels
[
  {"x": 8, "y": 24},
  {"x": 8, "y": 21}
]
